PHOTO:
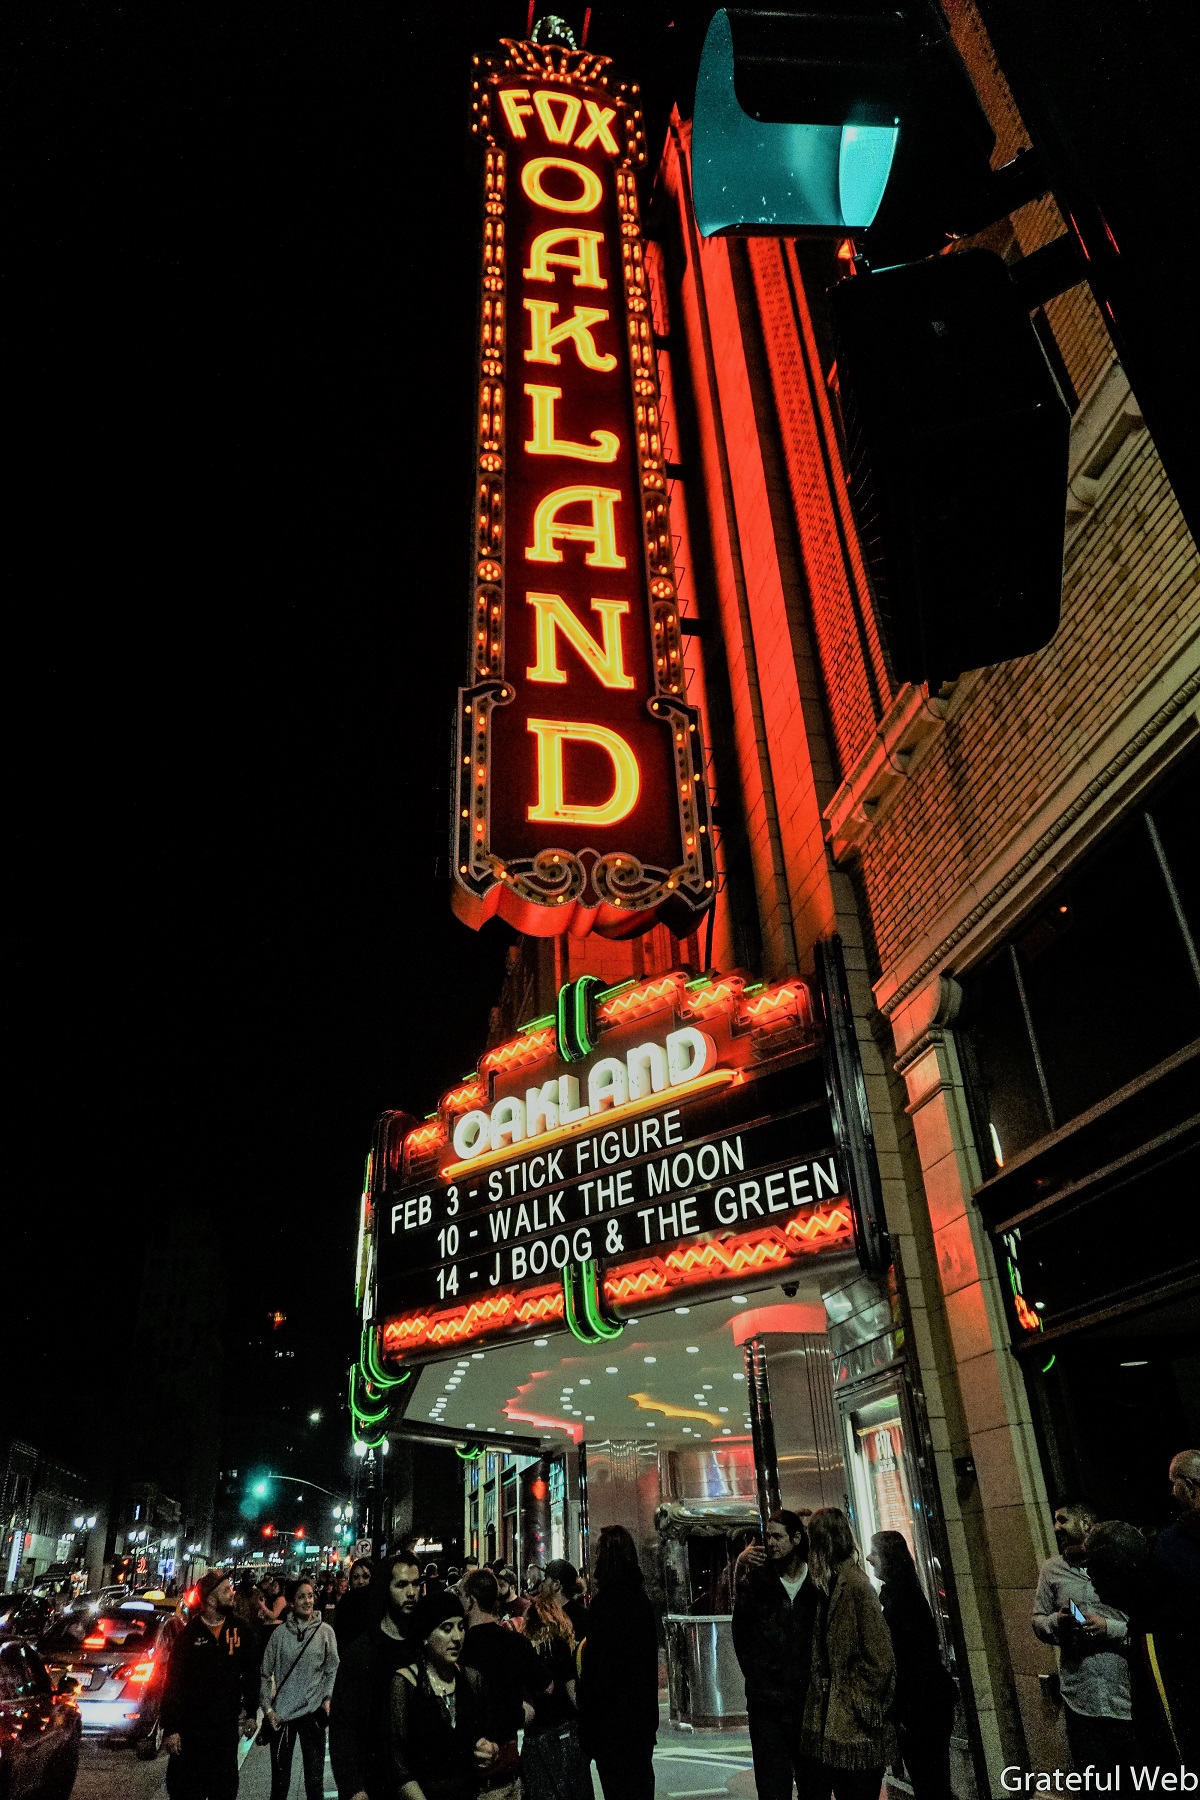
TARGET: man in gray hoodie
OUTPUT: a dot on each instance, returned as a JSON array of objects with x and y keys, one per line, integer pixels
[{"x": 299, "y": 1668}]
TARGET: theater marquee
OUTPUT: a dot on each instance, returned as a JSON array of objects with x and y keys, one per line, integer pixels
[
  {"x": 653, "y": 1139},
  {"x": 580, "y": 801}
]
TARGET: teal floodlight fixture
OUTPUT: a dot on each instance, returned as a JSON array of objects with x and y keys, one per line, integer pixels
[{"x": 778, "y": 177}]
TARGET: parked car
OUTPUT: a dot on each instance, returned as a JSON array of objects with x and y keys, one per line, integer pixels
[
  {"x": 118, "y": 1656},
  {"x": 24, "y": 1615},
  {"x": 39, "y": 1729}
]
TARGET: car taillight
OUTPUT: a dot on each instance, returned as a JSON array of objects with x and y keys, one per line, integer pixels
[
  {"x": 134, "y": 1674},
  {"x": 95, "y": 1641}
]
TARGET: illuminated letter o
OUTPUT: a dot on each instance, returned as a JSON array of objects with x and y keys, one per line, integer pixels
[
  {"x": 589, "y": 198},
  {"x": 472, "y": 1134}
]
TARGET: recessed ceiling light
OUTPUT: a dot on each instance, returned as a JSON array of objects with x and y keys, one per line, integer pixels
[
  {"x": 477, "y": 1356},
  {"x": 1143, "y": 1364},
  {"x": 585, "y": 1381},
  {"x": 590, "y": 1417},
  {"x": 633, "y": 1321},
  {"x": 508, "y": 1433},
  {"x": 464, "y": 1364},
  {"x": 568, "y": 1390},
  {"x": 722, "y": 1409},
  {"x": 740, "y": 1376},
  {"x": 649, "y": 1359},
  {"x": 738, "y": 1299},
  {"x": 706, "y": 1385},
  {"x": 611, "y": 1370},
  {"x": 683, "y": 1311},
  {"x": 726, "y": 1431},
  {"x": 540, "y": 1343},
  {"x": 693, "y": 1349},
  {"x": 470, "y": 1424}
]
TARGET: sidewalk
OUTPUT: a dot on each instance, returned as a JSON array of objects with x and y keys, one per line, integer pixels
[{"x": 695, "y": 1763}]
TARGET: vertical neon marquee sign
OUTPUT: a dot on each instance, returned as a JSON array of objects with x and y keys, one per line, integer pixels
[{"x": 580, "y": 801}]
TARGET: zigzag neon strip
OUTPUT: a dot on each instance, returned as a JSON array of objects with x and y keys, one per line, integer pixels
[
  {"x": 633, "y": 1002},
  {"x": 722, "y": 998},
  {"x": 533, "y": 1047},
  {"x": 461, "y": 1099},
  {"x": 468, "y": 1321},
  {"x": 767, "y": 1249},
  {"x": 782, "y": 999},
  {"x": 424, "y": 1137}
]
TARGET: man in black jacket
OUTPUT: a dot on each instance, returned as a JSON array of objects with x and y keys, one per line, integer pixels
[
  {"x": 211, "y": 1688},
  {"x": 772, "y": 1636},
  {"x": 358, "y": 1716}
]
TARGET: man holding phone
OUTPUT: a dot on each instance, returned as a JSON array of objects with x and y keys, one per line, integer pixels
[{"x": 1093, "y": 1669}]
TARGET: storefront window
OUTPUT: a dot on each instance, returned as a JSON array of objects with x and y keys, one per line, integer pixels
[
  {"x": 882, "y": 1500},
  {"x": 1097, "y": 986},
  {"x": 558, "y": 1508}
]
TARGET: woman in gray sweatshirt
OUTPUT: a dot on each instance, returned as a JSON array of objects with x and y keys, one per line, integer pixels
[{"x": 298, "y": 1670}]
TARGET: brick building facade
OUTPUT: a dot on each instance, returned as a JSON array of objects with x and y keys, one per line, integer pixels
[{"x": 931, "y": 832}]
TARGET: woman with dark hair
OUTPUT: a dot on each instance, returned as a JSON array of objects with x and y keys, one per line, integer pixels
[
  {"x": 299, "y": 1667},
  {"x": 442, "y": 1743},
  {"x": 925, "y": 1692},
  {"x": 553, "y": 1765},
  {"x": 847, "y": 1738},
  {"x": 618, "y": 1680},
  {"x": 353, "y": 1612}
]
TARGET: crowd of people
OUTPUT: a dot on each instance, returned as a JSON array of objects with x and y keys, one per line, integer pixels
[
  {"x": 430, "y": 1687},
  {"x": 1122, "y": 1612},
  {"x": 470, "y": 1687}
]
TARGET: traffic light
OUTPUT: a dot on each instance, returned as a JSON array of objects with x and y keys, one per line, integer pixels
[
  {"x": 849, "y": 116},
  {"x": 957, "y": 439}
]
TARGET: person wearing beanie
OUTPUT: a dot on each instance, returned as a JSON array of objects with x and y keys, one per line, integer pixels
[
  {"x": 211, "y": 1691},
  {"x": 444, "y": 1745}
]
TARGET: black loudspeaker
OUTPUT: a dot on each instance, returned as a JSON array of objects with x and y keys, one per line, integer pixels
[{"x": 957, "y": 440}]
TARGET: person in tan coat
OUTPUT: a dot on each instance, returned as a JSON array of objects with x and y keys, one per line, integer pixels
[{"x": 847, "y": 1737}]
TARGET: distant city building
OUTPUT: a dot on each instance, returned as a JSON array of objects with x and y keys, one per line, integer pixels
[{"x": 47, "y": 1513}]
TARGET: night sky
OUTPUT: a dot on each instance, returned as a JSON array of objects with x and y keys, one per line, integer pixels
[{"x": 238, "y": 372}]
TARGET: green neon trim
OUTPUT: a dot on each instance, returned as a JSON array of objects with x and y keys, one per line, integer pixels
[
  {"x": 360, "y": 1413},
  {"x": 1046, "y": 1367},
  {"x": 570, "y": 1302},
  {"x": 373, "y": 1369},
  {"x": 565, "y": 1048},
  {"x": 700, "y": 981},
  {"x": 373, "y": 1442},
  {"x": 593, "y": 1310},
  {"x": 469, "y": 1455},
  {"x": 1012, "y": 1276},
  {"x": 537, "y": 1024},
  {"x": 756, "y": 988},
  {"x": 429, "y": 1116},
  {"x": 585, "y": 987}
]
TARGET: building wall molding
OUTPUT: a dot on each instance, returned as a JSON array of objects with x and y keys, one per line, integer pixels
[
  {"x": 913, "y": 718},
  {"x": 1159, "y": 722},
  {"x": 1108, "y": 417}
]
